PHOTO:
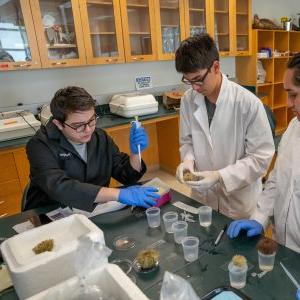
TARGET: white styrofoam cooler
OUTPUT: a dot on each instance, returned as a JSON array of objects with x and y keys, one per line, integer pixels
[
  {"x": 33, "y": 273},
  {"x": 130, "y": 105},
  {"x": 109, "y": 278}
]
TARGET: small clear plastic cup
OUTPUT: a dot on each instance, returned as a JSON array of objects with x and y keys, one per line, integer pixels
[
  {"x": 169, "y": 218},
  {"x": 266, "y": 261},
  {"x": 237, "y": 275},
  {"x": 179, "y": 229},
  {"x": 190, "y": 246},
  {"x": 153, "y": 217},
  {"x": 205, "y": 216}
]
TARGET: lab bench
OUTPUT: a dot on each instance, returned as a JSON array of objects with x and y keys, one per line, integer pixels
[
  {"x": 163, "y": 151},
  {"x": 208, "y": 272}
]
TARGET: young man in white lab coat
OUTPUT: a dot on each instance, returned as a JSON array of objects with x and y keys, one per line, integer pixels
[
  {"x": 281, "y": 196},
  {"x": 225, "y": 136}
]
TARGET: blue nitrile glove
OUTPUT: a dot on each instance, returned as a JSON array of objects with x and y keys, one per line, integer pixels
[
  {"x": 252, "y": 227},
  {"x": 139, "y": 195},
  {"x": 138, "y": 136},
  {"x": 298, "y": 294}
]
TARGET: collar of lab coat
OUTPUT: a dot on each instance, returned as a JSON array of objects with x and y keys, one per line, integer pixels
[{"x": 201, "y": 113}]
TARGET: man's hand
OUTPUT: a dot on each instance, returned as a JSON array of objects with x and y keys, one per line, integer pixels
[
  {"x": 185, "y": 165},
  {"x": 137, "y": 195},
  {"x": 208, "y": 179},
  {"x": 252, "y": 227},
  {"x": 138, "y": 136}
]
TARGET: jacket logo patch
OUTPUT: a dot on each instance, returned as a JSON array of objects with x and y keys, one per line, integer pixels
[{"x": 65, "y": 155}]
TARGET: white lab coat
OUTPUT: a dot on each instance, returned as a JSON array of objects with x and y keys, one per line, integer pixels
[
  {"x": 281, "y": 197},
  {"x": 238, "y": 143}
]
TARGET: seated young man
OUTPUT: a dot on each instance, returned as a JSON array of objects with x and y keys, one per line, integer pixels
[{"x": 72, "y": 161}]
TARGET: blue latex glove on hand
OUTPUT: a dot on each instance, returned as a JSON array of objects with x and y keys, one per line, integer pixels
[
  {"x": 139, "y": 196},
  {"x": 252, "y": 227},
  {"x": 298, "y": 294},
  {"x": 138, "y": 136}
]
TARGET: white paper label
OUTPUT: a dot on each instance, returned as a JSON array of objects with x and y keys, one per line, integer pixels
[{"x": 143, "y": 82}]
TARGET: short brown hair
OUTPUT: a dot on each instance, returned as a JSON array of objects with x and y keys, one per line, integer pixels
[
  {"x": 196, "y": 53},
  {"x": 69, "y": 100},
  {"x": 294, "y": 64}
]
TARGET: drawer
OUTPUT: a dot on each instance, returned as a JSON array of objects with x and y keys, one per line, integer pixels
[
  {"x": 8, "y": 167},
  {"x": 10, "y": 198}
]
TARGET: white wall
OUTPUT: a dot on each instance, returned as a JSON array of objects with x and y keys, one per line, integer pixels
[
  {"x": 275, "y": 9},
  {"x": 38, "y": 86}
]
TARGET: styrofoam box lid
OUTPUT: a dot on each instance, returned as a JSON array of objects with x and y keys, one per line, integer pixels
[
  {"x": 109, "y": 278},
  {"x": 162, "y": 186},
  {"x": 17, "y": 251},
  {"x": 133, "y": 99}
]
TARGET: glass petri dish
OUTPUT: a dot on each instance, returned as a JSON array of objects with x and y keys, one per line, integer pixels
[
  {"x": 124, "y": 264},
  {"x": 124, "y": 242}
]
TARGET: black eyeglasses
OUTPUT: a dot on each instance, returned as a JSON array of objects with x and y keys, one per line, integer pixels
[
  {"x": 81, "y": 128},
  {"x": 198, "y": 81}
]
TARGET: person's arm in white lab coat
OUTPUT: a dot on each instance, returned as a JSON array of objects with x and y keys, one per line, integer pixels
[{"x": 259, "y": 150}]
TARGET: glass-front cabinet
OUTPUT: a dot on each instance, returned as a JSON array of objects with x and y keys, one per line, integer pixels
[
  {"x": 221, "y": 26},
  {"x": 59, "y": 32},
  {"x": 101, "y": 20},
  {"x": 138, "y": 23},
  {"x": 196, "y": 17},
  {"x": 18, "y": 46},
  {"x": 170, "y": 27},
  {"x": 243, "y": 27}
]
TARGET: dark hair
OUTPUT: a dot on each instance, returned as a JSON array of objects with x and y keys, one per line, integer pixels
[
  {"x": 69, "y": 100},
  {"x": 196, "y": 53},
  {"x": 294, "y": 63}
]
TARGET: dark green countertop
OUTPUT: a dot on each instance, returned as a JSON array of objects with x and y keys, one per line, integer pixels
[
  {"x": 106, "y": 120},
  {"x": 209, "y": 272}
]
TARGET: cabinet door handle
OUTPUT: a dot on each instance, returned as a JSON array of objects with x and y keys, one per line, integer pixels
[
  {"x": 1, "y": 202},
  {"x": 138, "y": 58},
  {"x": 111, "y": 60},
  {"x": 22, "y": 65},
  {"x": 59, "y": 63},
  {"x": 3, "y": 215}
]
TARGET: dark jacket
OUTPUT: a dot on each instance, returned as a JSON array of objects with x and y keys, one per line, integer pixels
[{"x": 58, "y": 174}]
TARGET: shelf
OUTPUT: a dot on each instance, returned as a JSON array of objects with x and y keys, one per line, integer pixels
[
  {"x": 12, "y": 29},
  {"x": 165, "y": 25},
  {"x": 137, "y": 5},
  {"x": 221, "y": 12},
  {"x": 61, "y": 46},
  {"x": 242, "y": 13},
  {"x": 197, "y": 9},
  {"x": 14, "y": 49},
  {"x": 264, "y": 84},
  {"x": 242, "y": 34},
  {"x": 169, "y": 8},
  {"x": 140, "y": 33},
  {"x": 222, "y": 33},
  {"x": 278, "y": 82},
  {"x": 103, "y": 33},
  {"x": 278, "y": 106},
  {"x": 98, "y": 2},
  {"x": 281, "y": 57}
]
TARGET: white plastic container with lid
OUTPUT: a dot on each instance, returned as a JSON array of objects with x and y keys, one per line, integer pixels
[
  {"x": 133, "y": 104},
  {"x": 32, "y": 273},
  {"x": 110, "y": 279}
]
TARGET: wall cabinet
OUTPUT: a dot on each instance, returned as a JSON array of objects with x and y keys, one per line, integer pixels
[
  {"x": 103, "y": 40},
  {"x": 282, "y": 45},
  {"x": 18, "y": 44},
  {"x": 59, "y": 33}
]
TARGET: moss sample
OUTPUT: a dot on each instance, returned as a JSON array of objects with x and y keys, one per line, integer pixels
[
  {"x": 239, "y": 261},
  {"x": 188, "y": 176},
  {"x": 266, "y": 246},
  {"x": 43, "y": 246},
  {"x": 148, "y": 258}
]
